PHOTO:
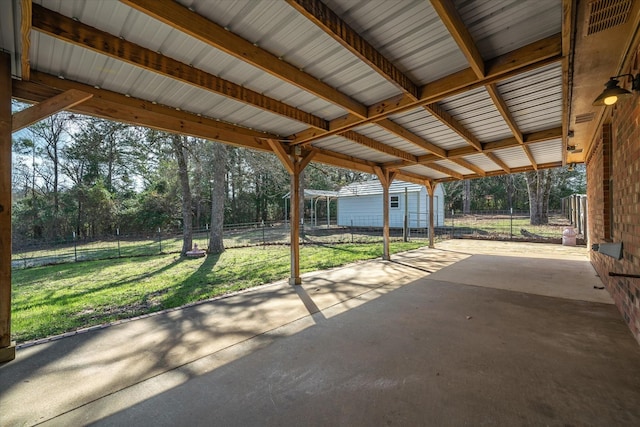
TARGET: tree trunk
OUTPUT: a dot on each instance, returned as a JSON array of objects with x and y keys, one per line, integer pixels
[
  {"x": 216, "y": 243},
  {"x": 539, "y": 187},
  {"x": 466, "y": 197},
  {"x": 180, "y": 152}
]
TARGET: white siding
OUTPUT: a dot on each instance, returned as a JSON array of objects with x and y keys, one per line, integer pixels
[{"x": 366, "y": 210}]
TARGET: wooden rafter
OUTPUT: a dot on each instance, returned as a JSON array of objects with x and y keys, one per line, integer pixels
[
  {"x": 527, "y": 58},
  {"x": 468, "y": 165},
  {"x": 444, "y": 170},
  {"x": 513, "y": 170},
  {"x": 378, "y": 146},
  {"x": 451, "y": 19},
  {"x": 495, "y": 159},
  {"x": 441, "y": 114},
  {"x": 407, "y": 135},
  {"x": 46, "y": 108},
  {"x": 64, "y": 28},
  {"x": 25, "y": 37},
  {"x": 333, "y": 25},
  {"x": 488, "y": 147},
  {"x": 188, "y": 22},
  {"x": 113, "y": 106}
]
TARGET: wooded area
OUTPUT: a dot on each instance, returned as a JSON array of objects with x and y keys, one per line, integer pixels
[{"x": 92, "y": 177}]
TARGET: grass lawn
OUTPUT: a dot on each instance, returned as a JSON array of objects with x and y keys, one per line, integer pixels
[{"x": 60, "y": 298}]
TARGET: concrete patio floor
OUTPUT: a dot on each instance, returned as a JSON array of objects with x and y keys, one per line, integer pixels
[{"x": 470, "y": 333}]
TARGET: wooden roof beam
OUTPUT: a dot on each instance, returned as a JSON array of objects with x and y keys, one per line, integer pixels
[
  {"x": 513, "y": 170},
  {"x": 114, "y": 106},
  {"x": 340, "y": 31},
  {"x": 379, "y": 146},
  {"x": 25, "y": 37},
  {"x": 526, "y": 58},
  {"x": 46, "y": 108},
  {"x": 195, "y": 25},
  {"x": 468, "y": 165},
  {"x": 451, "y": 19},
  {"x": 441, "y": 114},
  {"x": 64, "y": 28}
]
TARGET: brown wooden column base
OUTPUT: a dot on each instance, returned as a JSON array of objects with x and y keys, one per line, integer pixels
[
  {"x": 7, "y": 354},
  {"x": 293, "y": 281}
]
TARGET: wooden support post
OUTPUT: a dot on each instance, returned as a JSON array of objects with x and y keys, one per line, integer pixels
[
  {"x": 295, "y": 279},
  {"x": 7, "y": 347},
  {"x": 294, "y": 164},
  {"x": 431, "y": 189},
  {"x": 386, "y": 178}
]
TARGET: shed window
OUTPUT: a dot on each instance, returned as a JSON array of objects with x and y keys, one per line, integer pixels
[{"x": 394, "y": 202}]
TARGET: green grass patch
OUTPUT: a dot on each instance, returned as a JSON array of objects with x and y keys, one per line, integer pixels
[{"x": 51, "y": 300}]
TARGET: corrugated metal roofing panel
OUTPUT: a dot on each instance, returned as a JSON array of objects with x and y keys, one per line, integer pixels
[
  {"x": 141, "y": 29},
  {"x": 9, "y": 35},
  {"x": 514, "y": 157},
  {"x": 547, "y": 151},
  {"x": 372, "y": 187},
  {"x": 408, "y": 33},
  {"x": 423, "y": 124},
  {"x": 477, "y": 113},
  {"x": 281, "y": 30},
  {"x": 454, "y": 167},
  {"x": 535, "y": 98},
  {"x": 374, "y": 131},
  {"x": 498, "y": 27},
  {"x": 424, "y": 170},
  {"x": 483, "y": 162},
  {"x": 345, "y": 146}
]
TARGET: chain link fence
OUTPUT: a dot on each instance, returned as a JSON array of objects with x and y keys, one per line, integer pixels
[{"x": 497, "y": 225}]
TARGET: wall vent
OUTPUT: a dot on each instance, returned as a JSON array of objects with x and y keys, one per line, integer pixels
[
  {"x": 585, "y": 118},
  {"x": 605, "y": 14}
]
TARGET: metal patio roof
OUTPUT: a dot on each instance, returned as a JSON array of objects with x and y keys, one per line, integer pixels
[{"x": 433, "y": 90}]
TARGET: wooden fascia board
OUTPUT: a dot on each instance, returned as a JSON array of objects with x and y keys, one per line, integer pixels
[
  {"x": 327, "y": 20},
  {"x": 25, "y": 37},
  {"x": 46, "y": 108},
  {"x": 522, "y": 60},
  {"x": 438, "y": 112},
  {"x": 64, "y": 28},
  {"x": 195, "y": 25},
  {"x": 451, "y": 19},
  {"x": 113, "y": 106}
]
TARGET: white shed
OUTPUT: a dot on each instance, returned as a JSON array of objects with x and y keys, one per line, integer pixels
[{"x": 360, "y": 205}]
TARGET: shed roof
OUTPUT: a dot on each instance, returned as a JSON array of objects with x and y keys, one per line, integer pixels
[
  {"x": 373, "y": 187},
  {"x": 439, "y": 90}
]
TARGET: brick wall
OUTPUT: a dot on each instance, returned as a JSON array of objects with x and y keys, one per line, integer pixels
[{"x": 621, "y": 213}]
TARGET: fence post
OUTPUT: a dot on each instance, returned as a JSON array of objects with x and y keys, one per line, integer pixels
[
  {"x": 511, "y": 225},
  {"x": 453, "y": 212},
  {"x": 351, "y": 229},
  {"x": 160, "y": 239},
  {"x": 75, "y": 247},
  {"x": 263, "y": 242},
  {"x": 118, "y": 238}
]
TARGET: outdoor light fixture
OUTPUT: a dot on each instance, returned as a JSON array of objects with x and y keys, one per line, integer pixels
[
  {"x": 612, "y": 92},
  {"x": 571, "y": 167}
]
